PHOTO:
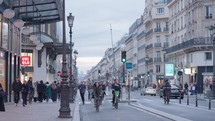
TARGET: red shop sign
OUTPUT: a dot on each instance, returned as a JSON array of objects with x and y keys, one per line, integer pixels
[{"x": 25, "y": 60}]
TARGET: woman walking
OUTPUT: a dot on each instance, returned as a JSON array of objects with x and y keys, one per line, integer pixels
[{"x": 2, "y": 108}]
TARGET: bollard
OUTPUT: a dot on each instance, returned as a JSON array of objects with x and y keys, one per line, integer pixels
[
  {"x": 188, "y": 98},
  {"x": 196, "y": 101},
  {"x": 180, "y": 98},
  {"x": 209, "y": 104}
]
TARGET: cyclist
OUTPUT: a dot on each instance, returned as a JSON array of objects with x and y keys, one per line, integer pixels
[
  {"x": 115, "y": 87},
  {"x": 166, "y": 91},
  {"x": 96, "y": 92}
]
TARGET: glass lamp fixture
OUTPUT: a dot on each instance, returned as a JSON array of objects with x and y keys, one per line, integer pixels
[
  {"x": 19, "y": 23},
  {"x": 26, "y": 31},
  {"x": 33, "y": 37},
  {"x": 70, "y": 19},
  {"x": 8, "y": 13},
  {"x": 38, "y": 47}
]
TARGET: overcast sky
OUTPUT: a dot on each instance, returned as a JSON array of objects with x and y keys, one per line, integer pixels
[{"x": 91, "y": 28}]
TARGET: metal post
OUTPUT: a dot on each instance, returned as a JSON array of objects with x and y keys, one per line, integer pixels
[
  {"x": 147, "y": 75},
  {"x": 71, "y": 89},
  {"x": 123, "y": 72},
  {"x": 64, "y": 111},
  {"x": 196, "y": 101},
  {"x": 209, "y": 104},
  {"x": 180, "y": 98},
  {"x": 129, "y": 88}
]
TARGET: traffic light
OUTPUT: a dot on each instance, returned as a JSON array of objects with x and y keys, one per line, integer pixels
[{"x": 123, "y": 56}]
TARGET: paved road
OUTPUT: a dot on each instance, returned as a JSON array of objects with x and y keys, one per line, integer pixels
[
  {"x": 108, "y": 113},
  {"x": 174, "y": 108}
]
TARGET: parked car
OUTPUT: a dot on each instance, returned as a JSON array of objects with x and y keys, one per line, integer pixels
[
  {"x": 175, "y": 92},
  {"x": 148, "y": 91}
]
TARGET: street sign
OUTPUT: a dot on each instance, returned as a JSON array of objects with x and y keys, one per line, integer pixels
[
  {"x": 169, "y": 69},
  {"x": 25, "y": 60},
  {"x": 128, "y": 65}
]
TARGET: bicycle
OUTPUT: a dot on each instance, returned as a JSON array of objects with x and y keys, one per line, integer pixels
[
  {"x": 166, "y": 95},
  {"x": 116, "y": 99}
]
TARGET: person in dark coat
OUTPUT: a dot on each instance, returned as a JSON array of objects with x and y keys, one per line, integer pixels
[
  {"x": 82, "y": 88},
  {"x": 24, "y": 93},
  {"x": 54, "y": 91},
  {"x": 41, "y": 90},
  {"x": 16, "y": 87},
  {"x": 48, "y": 92},
  {"x": 30, "y": 90},
  {"x": 2, "y": 108}
]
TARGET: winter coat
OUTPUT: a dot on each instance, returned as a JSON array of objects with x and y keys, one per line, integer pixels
[{"x": 17, "y": 86}]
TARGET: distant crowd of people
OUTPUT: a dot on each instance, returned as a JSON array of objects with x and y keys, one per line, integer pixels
[{"x": 37, "y": 91}]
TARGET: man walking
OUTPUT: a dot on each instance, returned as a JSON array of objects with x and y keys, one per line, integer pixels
[
  {"x": 82, "y": 88},
  {"x": 17, "y": 87}
]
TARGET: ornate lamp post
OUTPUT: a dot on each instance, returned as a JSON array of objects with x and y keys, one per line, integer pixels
[
  {"x": 70, "y": 20},
  {"x": 212, "y": 28},
  {"x": 147, "y": 59},
  {"x": 64, "y": 106}
]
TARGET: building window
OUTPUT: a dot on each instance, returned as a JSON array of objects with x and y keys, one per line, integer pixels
[
  {"x": 158, "y": 54},
  {"x": 158, "y": 68},
  {"x": 158, "y": 39},
  {"x": 208, "y": 11},
  {"x": 160, "y": 10},
  {"x": 208, "y": 56}
]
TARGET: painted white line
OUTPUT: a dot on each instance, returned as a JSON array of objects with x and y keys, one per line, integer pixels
[{"x": 161, "y": 113}]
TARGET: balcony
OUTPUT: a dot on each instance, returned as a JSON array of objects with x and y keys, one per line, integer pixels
[
  {"x": 157, "y": 44},
  {"x": 149, "y": 32},
  {"x": 157, "y": 59},
  {"x": 192, "y": 45},
  {"x": 209, "y": 16},
  {"x": 149, "y": 47},
  {"x": 157, "y": 30}
]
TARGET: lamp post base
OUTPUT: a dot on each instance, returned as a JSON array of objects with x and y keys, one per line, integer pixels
[
  {"x": 71, "y": 92},
  {"x": 64, "y": 106}
]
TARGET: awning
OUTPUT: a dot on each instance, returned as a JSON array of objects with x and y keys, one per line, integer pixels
[
  {"x": 37, "y": 11},
  {"x": 57, "y": 47}
]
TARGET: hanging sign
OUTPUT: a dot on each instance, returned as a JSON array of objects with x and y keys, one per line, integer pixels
[{"x": 25, "y": 60}]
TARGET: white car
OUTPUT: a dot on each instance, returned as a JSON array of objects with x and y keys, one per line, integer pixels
[{"x": 148, "y": 91}]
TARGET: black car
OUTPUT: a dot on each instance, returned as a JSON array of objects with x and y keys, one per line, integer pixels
[{"x": 175, "y": 92}]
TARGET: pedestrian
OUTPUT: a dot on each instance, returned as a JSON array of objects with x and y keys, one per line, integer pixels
[
  {"x": 40, "y": 91},
  {"x": 2, "y": 108},
  {"x": 90, "y": 90},
  {"x": 24, "y": 93},
  {"x": 82, "y": 88},
  {"x": 48, "y": 92},
  {"x": 193, "y": 89},
  {"x": 58, "y": 91},
  {"x": 30, "y": 90},
  {"x": 17, "y": 87},
  {"x": 35, "y": 91},
  {"x": 54, "y": 91},
  {"x": 186, "y": 88}
]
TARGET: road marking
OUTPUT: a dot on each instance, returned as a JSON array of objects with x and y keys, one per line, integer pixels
[
  {"x": 159, "y": 113},
  {"x": 149, "y": 100}
]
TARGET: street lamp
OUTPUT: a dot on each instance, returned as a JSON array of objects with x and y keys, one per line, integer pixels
[
  {"x": 64, "y": 106},
  {"x": 212, "y": 28},
  {"x": 70, "y": 20},
  {"x": 147, "y": 59}
]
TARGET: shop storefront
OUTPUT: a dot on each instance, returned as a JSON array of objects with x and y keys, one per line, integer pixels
[{"x": 2, "y": 69}]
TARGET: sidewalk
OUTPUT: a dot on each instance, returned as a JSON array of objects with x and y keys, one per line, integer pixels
[{"x": 39, "y": 112}]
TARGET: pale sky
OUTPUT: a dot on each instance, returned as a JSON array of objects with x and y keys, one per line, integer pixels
[{"x": 91, "y": 27}]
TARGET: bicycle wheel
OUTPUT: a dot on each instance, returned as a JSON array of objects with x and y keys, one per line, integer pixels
[{"x": 116, "y": 103}]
